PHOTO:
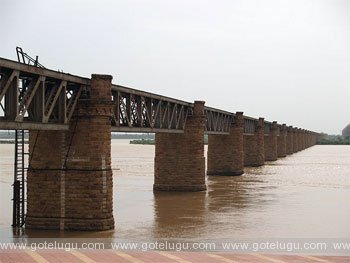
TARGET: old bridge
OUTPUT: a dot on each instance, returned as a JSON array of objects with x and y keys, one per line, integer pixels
[{"x": 70, "y": 120}]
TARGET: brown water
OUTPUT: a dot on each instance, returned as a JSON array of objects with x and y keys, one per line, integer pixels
[{"x": 306, "y": 195}]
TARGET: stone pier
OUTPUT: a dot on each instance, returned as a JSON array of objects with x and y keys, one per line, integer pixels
[
  {"x": 270, "y": 143},
  {"x": 300, "y": 139},
  {"x": 70, "y": 177},
  {"x": 308, "y": 139},
  {"x": 282, "y": 141},
  {"x": 225, "y": 152},
  {"x": 295, "y": 140},
  {"x": 253, "y": 145},
  {"x": 179, "y": 163},
  {"x": 290, "y": 140}
]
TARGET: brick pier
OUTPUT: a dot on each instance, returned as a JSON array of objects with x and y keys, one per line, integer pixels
[
  {"x": 254, "y": 150},
  {"x": 295, "y": 140},
  {"x": 70, "y": 176},
  {"x": 290, "y": 142},
  {"x": 179, "y": 163},
  {"x": 225, "y": 152},
  {"x": 282, "y": 141},
  {"x": 270, "y": 143}
]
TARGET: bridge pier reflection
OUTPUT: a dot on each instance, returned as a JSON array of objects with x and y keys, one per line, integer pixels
[{"x": 179, "y": 215}]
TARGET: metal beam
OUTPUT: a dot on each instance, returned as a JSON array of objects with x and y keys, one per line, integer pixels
[
  {"x": 11, "y": 125},
  {"x": 144, "y": 130},
  {"x": 5, "y": 63}
]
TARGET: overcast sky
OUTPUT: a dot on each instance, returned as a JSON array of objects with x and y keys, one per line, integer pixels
[{"x": 283, "y": 60}]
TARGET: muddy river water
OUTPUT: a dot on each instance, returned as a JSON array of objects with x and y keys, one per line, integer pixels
[{"x": 306, "y": 195}]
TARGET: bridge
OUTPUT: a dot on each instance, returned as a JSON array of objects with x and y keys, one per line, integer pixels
[{"x": 70, "y": 120}]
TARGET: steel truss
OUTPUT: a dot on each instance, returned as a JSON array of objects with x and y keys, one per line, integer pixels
[
  {"x": 34, "y": 98},
  {"x": 42, "y": 99}
]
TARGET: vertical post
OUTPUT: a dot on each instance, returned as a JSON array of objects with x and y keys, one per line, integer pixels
[
  {"x": 179, "y": 163},
  {"x": 15, "y": 185},
  {"x": 11, "y": 99}
]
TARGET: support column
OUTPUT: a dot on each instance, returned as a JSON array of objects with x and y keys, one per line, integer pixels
[
  {"x": 300, "y": 140},
  {"x": 270, "y": 143},
  {"x": 295, "y": 140},
  {"x": 290, "y": 138},
  {"x": 179, "y": 163},
  {"x": 254, "y": 152},
  {"x": 282, "y": 141},
  {"x": 312, "y": 139},
  {"x": 225, "y": 152},
  {"x": 46, "y": 159},
  {"x": 70, "y": 176},
  {"x": 304, "y": 139},
  {"x": 309, "y": 137}
]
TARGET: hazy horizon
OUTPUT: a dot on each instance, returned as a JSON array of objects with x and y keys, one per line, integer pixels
[{"x": 283, "y": 60}]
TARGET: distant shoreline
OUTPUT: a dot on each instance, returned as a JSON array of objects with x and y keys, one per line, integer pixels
[
  {"x": 143, "y": 142},
  {"x": 152, "y": 141},
  {"x": 11, "y": 141},
  {"x": 334, "y": 141}
]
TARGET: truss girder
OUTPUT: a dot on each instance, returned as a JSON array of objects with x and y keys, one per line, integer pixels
[{"x": 31, "y": 97}]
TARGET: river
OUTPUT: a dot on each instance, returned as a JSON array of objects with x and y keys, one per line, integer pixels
[{"x": 305, "y": 195}]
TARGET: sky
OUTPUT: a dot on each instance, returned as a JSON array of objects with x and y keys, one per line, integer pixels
[{"x": 287, "y": 61}]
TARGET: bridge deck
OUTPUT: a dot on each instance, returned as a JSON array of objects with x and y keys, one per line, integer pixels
[{"x": 42, "y": 99}]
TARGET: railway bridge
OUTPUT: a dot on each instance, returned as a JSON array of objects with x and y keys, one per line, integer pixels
[{"x": 70, "y": 120}]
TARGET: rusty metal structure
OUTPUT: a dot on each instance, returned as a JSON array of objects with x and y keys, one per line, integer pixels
[
  {"x": 139, "y": 111},
  {"x": 37, "y": 98}
]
